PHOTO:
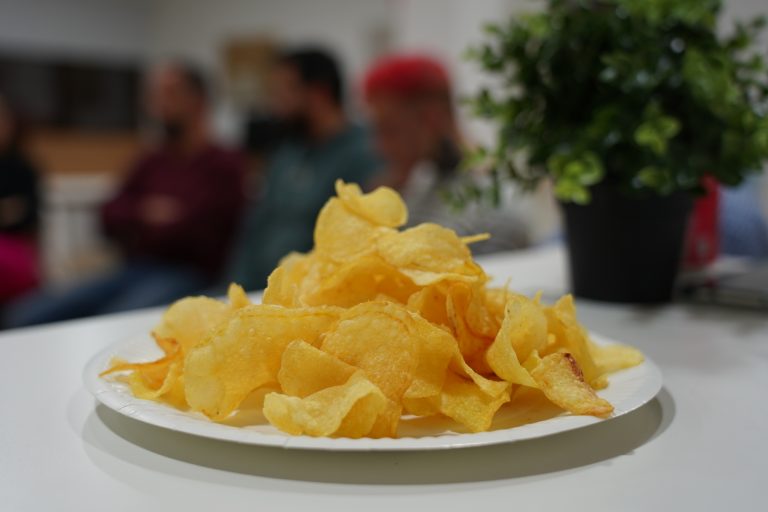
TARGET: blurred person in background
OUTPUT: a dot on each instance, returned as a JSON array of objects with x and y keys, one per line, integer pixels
[
  {"x": 173, "y": 218},
  {"x": 321, "y": 145},
  {"x": 410, "y": 104},
  {"x": 18, "y": 210}
]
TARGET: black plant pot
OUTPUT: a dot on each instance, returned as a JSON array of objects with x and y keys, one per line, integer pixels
[{"x": 625, "y": 249}]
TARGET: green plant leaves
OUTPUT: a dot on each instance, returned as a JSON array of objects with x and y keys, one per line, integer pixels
[
  {"x": 655, "y": 178},
  {"x": 643, "y": 91},
  {"x": 656, "y": 130},
  {"x": 687, "y": 12},
  {"x": 574, "y": 173}
]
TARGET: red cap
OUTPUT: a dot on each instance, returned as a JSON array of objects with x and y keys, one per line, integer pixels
[{"x": 407, "y": 76}]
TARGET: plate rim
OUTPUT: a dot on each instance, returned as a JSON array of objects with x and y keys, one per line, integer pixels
[{"x": 106, "y": 395}]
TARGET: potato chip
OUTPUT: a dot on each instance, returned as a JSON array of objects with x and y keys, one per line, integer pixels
[
  {"x": 386, "y": 422},
  {"x": 154, "y": 370},
  {"x": 465, "y": 402},
  {"x": 185, "y": 324},
  {"x": 430, "y": 304},
  {"x": 529, "y": 324},
  {"x": 347, "y": 410},
  {"x": 570, "y": 336},
  {"x": 189, "y": 320},
  {"x": 472, "y": 345},
  {"x": 614, "y": 357},
  {"x": 284, "y": 284},
  {"x": 383, "y": 206},
  {"x": 340, "y": 234},
  {"x": 374, "y": 337},
  {"x": 495, "y": 302},
  {"x": 305, "y": 370},
  {"x": 237, "y": 297},
  {"x": 429, "y": 253},
  {"x": 360, "y": 280},
  {"x": 473, "y": 239},
  {"x": 445, "y": 384},
  {"x": 155, "y": 379},
  {"x": 489, "y": 386},
  {"x": 558, "y": 375},
  {"x": 245, "y": 354},
  {"x": 437, "y": 350},
  {"x": 523, "y": 331},
  {"x": 480, "y": 314},
  {"x": 144, "y": 385},
  {"x": 368, "y": 418}
]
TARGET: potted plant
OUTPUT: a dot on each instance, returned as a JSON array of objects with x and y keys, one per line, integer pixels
[{"x": 626, "y": 105}]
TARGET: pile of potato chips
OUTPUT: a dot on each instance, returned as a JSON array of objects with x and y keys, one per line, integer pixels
[{"x": 373, "y": 324}]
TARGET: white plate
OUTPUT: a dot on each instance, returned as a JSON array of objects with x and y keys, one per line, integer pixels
[{"x": 628, "y": 390}]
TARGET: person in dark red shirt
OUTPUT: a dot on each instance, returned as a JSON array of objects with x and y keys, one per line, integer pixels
[{"x": 173, "y": 219}]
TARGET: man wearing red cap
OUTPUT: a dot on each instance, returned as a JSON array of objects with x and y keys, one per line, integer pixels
[{"x": 410, "y": 103}]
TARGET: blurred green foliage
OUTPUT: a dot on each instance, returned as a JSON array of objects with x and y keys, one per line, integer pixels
[{"x": 643, "y": 94}]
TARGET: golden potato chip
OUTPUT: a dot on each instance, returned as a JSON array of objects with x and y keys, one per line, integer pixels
[
  {"x": 471, "y": 345},
  {"x": 237, "y": 297},
  {"x": 285, "y": 282},
  {"x": 558, "y": 375},
  {"x": 347, "y": 410},
  {"x": 185, "y": 324},
  {"x": 360, "y": 280},
  {"x": 245, "y": 354},
  {"x": 430, "y": 392},
  {"x": 305, "y": 370},
  {"x": 523, "y": 331},
  {"x": 466, "y": 387},
  {"x": 429, "y": 303},
  {"x": 429, "y": 253},
  {"x": 614, "y": 357},
  {"x": 154, "y": 370},
  {"x": 437, "y": 350},
  {"x": 340, "y": 234},
  {"x": 319, "y": 269},
  {"x": 532, "y": 362},
  {"x": 479, "y": 317},
  {"x": 144, "y": 385},
  {"x": 489, "y": 386},
  {"x": 155, "y": 379},
  {"x": 570, "y": 336},
  {"x": 374, "y": 337},
  {"x": 462, "y": 388},
  {"x": 529, "y": 324},
  {"x": 386, "y": 422},
  {"x": 190, "y": 320},
  {"x": 383, "y": 206},
  {"x": 463, "y": 401},
  {"x": 472, "y": 239},
  {"x": 495, "y": 302}
]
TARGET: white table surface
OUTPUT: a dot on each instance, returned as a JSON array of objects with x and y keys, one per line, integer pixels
[{"x": 700, "y": 445}]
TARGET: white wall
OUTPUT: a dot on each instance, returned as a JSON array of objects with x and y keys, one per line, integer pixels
[
  {"x": 198, "y": 30},
  {"x": 740, "y": 9},
  {"x": 105, "y": 28}
]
